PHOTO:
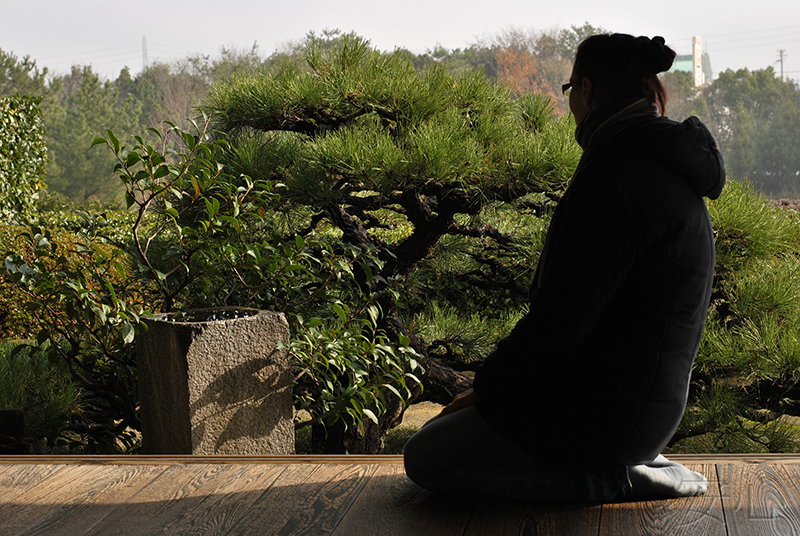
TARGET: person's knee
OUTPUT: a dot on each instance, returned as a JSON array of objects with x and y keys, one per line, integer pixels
[{"x": 416, "y": 460}]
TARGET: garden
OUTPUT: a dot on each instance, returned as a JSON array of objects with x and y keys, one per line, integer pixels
[{"x": 393, "y": 215}]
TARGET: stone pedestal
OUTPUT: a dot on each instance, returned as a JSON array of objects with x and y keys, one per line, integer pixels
[{"x": 214, "y": 382}]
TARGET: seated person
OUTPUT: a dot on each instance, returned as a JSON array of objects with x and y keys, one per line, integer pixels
[{"x": 579, "y": 400}]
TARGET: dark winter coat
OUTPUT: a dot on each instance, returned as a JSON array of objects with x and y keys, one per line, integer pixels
[{"x": 598, "y": 370}]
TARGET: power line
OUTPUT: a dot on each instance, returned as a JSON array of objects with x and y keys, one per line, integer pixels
[{"x": 796, "y": 27}]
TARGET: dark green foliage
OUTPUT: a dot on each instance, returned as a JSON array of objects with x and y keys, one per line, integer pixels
[
  {"x": 20, "y": 77},
  {"x": 412, "y": 167},
  {"x": 66, "y": 223},
  {"x": 754, "y": 115},
  {"x": 419, "y": 166},
  {"x": 374, "y": 197},
  {"x": 22, "y": 156},
  {"x": 346, "y": 370},
  {"x": 197, "y": 239},
  {"x": 85, "y": 315},
  {"x": 44, "y": 390},
  {"x": 83, "y": 109}
]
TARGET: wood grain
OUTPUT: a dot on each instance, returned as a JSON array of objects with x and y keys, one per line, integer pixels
[
  {"x": 391, "y": 504},
  {"x": 760, "y": 498},
  {"x": 74, "y": 499},
  {"x": 506, "y": 517},
  {"x": 238, "y": 489},
  {"x": 184, "y": 497},
  {"x": 17, "y": 479},
  {"x": 243, "y": 496},
  {"x": 388, "y": 459},
  {"x": 305, "y": 499},
  {"x": 94, "y": 498}
]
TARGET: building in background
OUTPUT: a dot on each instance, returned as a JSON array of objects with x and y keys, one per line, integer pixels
[{"x": 698, "y": 63}]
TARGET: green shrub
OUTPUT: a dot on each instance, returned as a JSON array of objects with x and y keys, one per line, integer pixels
[
  {"x": 198, "y": 240},
  {"x": 22, "y": 156},
  {"x": 67, "y": 231},
  {"x": 44, "y": 390}
]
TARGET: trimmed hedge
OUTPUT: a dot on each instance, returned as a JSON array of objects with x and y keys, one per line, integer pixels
[{"x": 23, "y": 156}]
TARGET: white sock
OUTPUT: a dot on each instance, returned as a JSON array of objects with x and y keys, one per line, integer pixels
[{"x": 663, "y": 478}]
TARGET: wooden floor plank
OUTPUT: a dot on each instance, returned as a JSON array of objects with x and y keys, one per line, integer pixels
[
  {"x": 154, "y": 506},
  {"x": 391, "y": 504},
  {"x": 40, "y": 501},
  {"x": 760, "y": 499},
  {"x": 392, "y": 459},
  {"x": 73, "y": 499},
  {"x": 187, "y": 496},
  {"x": 305, "y": 499},
  {"x": 689, "y": 516},
  {"x": 499, "y": 517},
  {"x": 17, "y": 479},
  {"x": 223, "y": 507},
  {"x": 249, "y": 495},
  {"x": 88, "y": 500}
]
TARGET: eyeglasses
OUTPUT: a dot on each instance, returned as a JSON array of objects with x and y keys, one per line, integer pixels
[{"x": 566, "y": 87}]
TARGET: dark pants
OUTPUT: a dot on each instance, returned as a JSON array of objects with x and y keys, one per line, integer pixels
[{"x": 462, "y": 454}]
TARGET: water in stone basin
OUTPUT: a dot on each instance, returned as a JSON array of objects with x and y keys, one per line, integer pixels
[{"x": 209, "y": 315}]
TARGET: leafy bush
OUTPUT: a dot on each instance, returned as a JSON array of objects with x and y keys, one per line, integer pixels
[
  {"x": 197, "y": 239},
  {"x": 44, "y": 390},
  {"x": 344, "y": 370},
  {"x": 76, "y": 292},
  {"x": 22, "y": 156},
  {"x": 67, "y": 224}
]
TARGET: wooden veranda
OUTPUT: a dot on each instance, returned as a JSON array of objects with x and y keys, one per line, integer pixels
[{"x": 361, "y": 495}]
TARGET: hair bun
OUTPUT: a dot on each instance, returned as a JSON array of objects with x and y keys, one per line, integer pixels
[{"x": 654, "y": 55}]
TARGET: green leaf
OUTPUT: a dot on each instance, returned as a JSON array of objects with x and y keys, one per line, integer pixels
[
  {"x": 98, "y": 141},
  {"x": 161, "y": 171},
  {"x": 42, "y": 336},
  {"x": 132, "y": 158},
  {"x": 113, "y": 140},
  {"x": 339, "y": 310},
  {"x": 371, "y": 415},
  {"x": 374, "y": 313},
  {"x": 392, "y": 389},
  {"x": 190, "y": 140},
  {"x": 128, "y": 332}
]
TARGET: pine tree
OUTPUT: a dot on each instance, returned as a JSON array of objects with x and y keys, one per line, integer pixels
[
  {"x": 85, "y": 108},
  {"x": 413, "y": 165}
]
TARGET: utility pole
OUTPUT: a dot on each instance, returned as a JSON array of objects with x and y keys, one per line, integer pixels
[
  {"x": 144, "y": 53},
  {"x": 781, "y": 54}
]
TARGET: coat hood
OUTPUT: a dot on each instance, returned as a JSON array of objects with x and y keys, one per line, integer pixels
[{"x": 687, "y": 147}]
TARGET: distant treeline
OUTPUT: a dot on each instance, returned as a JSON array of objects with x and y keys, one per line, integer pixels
[{"x": 754, "y": 115}]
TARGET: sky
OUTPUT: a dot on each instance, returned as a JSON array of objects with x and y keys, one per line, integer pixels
[{"x": 58, "y": 34}]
